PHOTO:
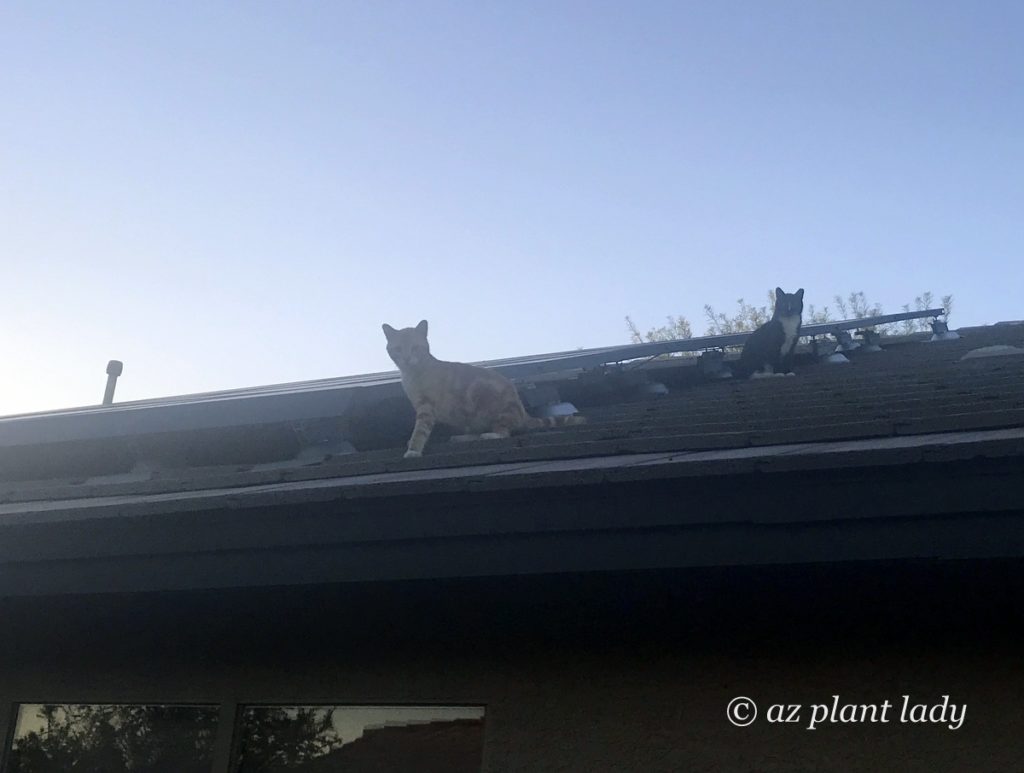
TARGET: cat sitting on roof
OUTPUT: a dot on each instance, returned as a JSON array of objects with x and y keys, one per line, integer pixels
[
  {"x": 468, "y": 398},
  {"x": 769, "y": 350}
]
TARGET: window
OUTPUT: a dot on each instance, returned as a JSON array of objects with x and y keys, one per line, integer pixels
[
  {"x": 345, "y": 739},
  {"x": 113, "y": 738},
  {"x": 156, "y": 738}
]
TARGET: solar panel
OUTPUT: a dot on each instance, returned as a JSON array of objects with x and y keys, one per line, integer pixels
[
  {"x": 308, "y": 400},
  {"x": 520, "y": 367}
]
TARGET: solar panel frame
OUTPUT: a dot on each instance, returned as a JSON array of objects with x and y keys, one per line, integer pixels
[{"x": 587, "y": 358}]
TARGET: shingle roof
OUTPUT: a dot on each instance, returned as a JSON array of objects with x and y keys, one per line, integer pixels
[{"x": 911, "y": 388}]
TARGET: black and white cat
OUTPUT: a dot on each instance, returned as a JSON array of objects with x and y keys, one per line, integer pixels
[{"x": 769, "y": 351}]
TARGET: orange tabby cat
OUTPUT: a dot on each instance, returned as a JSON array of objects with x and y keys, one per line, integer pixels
[{"x": 469, "y": 398}]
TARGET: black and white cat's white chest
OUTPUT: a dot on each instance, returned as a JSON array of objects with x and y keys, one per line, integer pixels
[
  {"x": 790, "y": 333},
  {"x": 769, "y": 350}
]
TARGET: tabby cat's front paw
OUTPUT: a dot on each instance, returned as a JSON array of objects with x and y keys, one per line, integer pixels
[{"x": 410, "y": 454}]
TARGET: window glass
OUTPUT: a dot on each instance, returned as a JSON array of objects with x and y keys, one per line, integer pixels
[
  {"x": 345, "y": 739},
  {"x": 111, "y": 738}
]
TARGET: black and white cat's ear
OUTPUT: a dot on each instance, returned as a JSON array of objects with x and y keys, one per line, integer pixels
[
  {"x": 779, "y": 293},
  {"x": 422, "y": 327},
  {"x": 388, "y": 330},
  {"x": 800, "y": 293}
]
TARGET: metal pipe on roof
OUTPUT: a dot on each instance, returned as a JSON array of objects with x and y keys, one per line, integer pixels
[{"x": 114, "y": 369}]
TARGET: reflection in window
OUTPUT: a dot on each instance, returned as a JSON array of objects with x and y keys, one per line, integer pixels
[
  {"x": 63, "y": 737},
  {"x": 345, "y": 739}
]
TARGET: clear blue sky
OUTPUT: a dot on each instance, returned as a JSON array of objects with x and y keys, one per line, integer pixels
[{"x": 231, "y": 194}]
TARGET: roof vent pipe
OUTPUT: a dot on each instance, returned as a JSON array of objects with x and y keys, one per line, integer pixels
[{"x": 114, "y": 369}]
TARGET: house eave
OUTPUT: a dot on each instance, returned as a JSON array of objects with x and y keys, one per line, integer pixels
[{"x": 954, "y": 496}]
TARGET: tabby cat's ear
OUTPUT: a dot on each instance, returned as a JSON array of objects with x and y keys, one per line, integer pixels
[
  {"x": 779, "y": 293},
  {"x": 422, "y": 327},
  {"x": 800, "y": 293},
  {"x": 388, "y": 330}
]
